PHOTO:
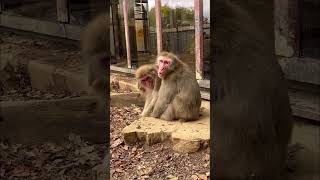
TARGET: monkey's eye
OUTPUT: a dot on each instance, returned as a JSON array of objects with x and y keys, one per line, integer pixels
[{"x": 166, "y": 62}]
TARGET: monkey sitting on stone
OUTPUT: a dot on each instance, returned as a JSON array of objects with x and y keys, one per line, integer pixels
[
  {"x": 179, "y": 94},
  {"x": 148, "y": 84}
]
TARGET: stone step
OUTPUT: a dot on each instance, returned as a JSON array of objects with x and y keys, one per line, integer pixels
[
  {"x": 305, "y": 105},
  {"x": 45, "y": 76},
  {"x": 186, "y": 137}
]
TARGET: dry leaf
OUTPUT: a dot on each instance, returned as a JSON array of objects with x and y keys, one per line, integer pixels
[
  {"x": 116, "y": 143},
  {"x": 170, "y": 177},
  {"x": 194, "y": 177},
  {"x": 202, "y": 177}
]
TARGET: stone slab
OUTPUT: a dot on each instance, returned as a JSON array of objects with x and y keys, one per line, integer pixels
[
  {"x": 187, "y": 137},
  {"x": 46, "y": 76},
  {"x": 53, "y": 120}
]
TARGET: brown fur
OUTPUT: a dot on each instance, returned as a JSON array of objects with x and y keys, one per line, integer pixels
[
  {"x": 179, "y": 94},
  {"x": 95, "y": 51},
  {"x": 95, "y": 47},
  {"x": 150, "y": 95},
  {"x": 251, "y": 113}
]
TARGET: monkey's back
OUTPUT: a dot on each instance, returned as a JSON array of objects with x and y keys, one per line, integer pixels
[
  {"x": 251, "y": 110},
  {"x": 188, "y": 99},
  {"x": 95, "y": 36}
]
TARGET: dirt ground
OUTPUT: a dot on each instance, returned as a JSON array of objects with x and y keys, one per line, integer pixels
[
  {"x": 158, "y": 161},
  {"x": 71, "y": 159},
  {"x": 75, "y": 158}
]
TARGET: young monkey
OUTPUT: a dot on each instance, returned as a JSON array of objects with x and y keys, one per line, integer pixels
[{"x": 149, "y": 85}]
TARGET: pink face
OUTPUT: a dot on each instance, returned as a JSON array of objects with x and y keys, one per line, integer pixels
[
  {"x": 147, "y": 82},
  {"x": 164, "y": 64}
]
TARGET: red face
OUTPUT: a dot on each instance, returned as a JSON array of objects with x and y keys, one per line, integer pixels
[
  {"x": 164, "y": 64},
  {"x": 147, "y": 82}
]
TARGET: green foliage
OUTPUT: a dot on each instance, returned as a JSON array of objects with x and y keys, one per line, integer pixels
[{"x": 183, "y": 16}]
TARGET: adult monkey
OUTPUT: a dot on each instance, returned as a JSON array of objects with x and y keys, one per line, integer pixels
[
  {"x": 149, "y": 85},
  {"x": 251, "y": 114},
  {"x": 179, "y": 94},
  {"x": 94, "y": 48}
]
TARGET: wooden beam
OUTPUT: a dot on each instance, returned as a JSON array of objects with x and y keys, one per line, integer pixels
[
  {"x": 306, "y": 105},
  {"x": 63, "y": 13},
  {"x": 198, "y": 18},
  {"x": 52, "y": 120},
  {"x": 40, "y": 26},
  {"x": 158, "y": 25},
  {"x": 1, "y": 6},
  {"x": 122, "y": 69},
  {"x": 301, "y": 69}
]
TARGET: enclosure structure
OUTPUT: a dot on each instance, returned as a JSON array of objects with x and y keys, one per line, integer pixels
[
  {"x": 61, "y": 18},
  {"x": 297, "y": 30},
  {"x": 143, "y": 28},
  {"x": 297, "y": 35},
  {"x": 184, "y": 30}
]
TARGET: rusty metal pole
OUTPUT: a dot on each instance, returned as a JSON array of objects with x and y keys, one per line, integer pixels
[
  {"x": 126, "y": 27},
  {"x": 198, "y": 17},
  {"x": 116, "y": 31},
  {"x": 158, "y": 25},
  {"x": 130, "y": 32}
]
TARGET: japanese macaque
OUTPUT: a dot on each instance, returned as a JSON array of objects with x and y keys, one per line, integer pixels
[
  {"x": 95, "y": 47},
  {"x": 148, "y": 84},
  {"x": 179, "y": 94},
  {"x": 252, "y": 117}
]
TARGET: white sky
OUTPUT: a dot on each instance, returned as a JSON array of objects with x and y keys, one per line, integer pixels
[{"x": 184, "y": 3}]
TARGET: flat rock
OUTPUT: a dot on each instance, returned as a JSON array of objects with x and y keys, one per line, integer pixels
[{"x": 186, "y": 136}]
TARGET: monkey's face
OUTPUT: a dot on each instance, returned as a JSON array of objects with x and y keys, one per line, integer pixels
[
  {"x": 147, "y": 82},
  {"x": 164, "y": 64}
]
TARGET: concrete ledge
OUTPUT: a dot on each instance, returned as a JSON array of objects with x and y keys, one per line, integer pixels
[
  {"x": 305, "y": 105},
  {"x": 44, "y": 77},
  {"x": 52, "y": 120},
  {"x": 126, "y": 99},
  {"x": 301, "y": 69}
]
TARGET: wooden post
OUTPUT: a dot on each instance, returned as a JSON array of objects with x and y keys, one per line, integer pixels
[
  {"x": 115, "y": 25},
  {"x": 158, "y": 25},
  {"x": 1, "y": 6},
  {"x": 198, "y": 17},
  {"x": 130, "y": 31},
  {"x": 63, "y": 11}
]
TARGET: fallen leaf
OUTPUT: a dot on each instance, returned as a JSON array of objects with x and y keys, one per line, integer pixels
[
  {"x": 116, "y": 143},
  {"x": 194, "y": 177},
  {"x": 145, "y": 170},
  {"x": 206, "y": 157},
  {"x": 125, "y": 147},
  {"x": 202, "y": 177},
  {"x": 170, "y": 177},
  {"x": 120, "y": 170}
]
